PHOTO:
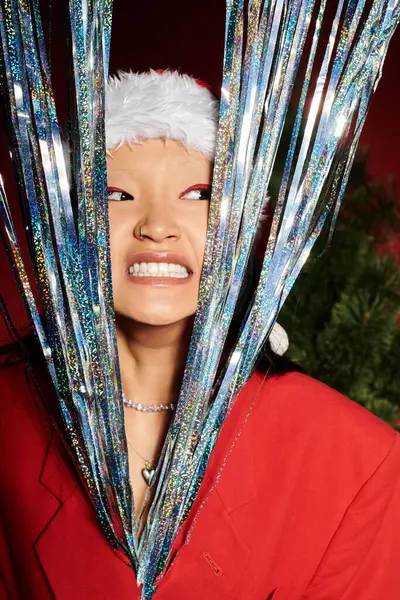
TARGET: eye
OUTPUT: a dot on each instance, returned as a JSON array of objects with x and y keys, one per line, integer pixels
[
  {"x": 200, "y": 191},
  {"x": 117, "y": 194}
]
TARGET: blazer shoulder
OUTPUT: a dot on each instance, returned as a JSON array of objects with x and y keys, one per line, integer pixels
[
  {"x": 307, "y": 409},
  {"x": 25, "y": 398}
]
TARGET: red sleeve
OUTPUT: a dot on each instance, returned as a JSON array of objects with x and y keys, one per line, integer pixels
[{"x": 362, "y": 561}]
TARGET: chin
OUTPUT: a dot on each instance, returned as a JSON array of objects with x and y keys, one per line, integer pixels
[{"x": 152, "y": 318}]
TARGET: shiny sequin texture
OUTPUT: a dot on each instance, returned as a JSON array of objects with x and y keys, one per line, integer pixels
[{"x": 72, "y": 260}]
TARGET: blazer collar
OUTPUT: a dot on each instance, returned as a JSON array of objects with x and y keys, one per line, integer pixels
[
  {"x": 58, "y": 475},
  {"x": 232, "y": 465},
  {"x": 72, "y": 549}
]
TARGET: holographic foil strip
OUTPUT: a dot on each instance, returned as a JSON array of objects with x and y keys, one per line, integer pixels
[
  {"x": 10, "y": 241},
  {"x": 90, "y": 31},
  {"x": 240, "y": 185},
  {"x": 72, "y": 265},
  {"x": 77, "y": 299}
]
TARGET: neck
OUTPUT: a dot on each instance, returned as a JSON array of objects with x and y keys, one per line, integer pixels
[{"x": 152, "y": 359}]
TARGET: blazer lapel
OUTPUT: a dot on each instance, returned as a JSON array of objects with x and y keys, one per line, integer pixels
[
  {"x": 75, "y": 556},
  {"x": 232, "y": 461},
  {"x": 209, "y": 557},
  {"x": 237, "y": 479},
  {"x": 57, "y": 475},
  {"x": 210, "y": 545}
]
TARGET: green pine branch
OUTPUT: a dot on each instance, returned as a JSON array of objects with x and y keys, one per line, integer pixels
[{"x": 342, "y": 316}]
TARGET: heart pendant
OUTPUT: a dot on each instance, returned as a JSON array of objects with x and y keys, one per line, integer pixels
[{"x": 148, "y": 475}]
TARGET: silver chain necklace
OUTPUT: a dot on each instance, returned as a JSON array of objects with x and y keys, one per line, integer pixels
[{"x": 147, "y": 472}]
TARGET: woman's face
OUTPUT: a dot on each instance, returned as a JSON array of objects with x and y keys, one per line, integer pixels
[{"x": 158, "y": 205}]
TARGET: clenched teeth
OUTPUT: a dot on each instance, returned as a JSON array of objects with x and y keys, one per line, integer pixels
[{"x": 153, "y": 269}]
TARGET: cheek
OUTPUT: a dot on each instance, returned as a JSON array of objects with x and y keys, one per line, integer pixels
[
  {"x": 198, "y": 231},
  {"x": 115, "y": 222},
  {"x": 119, "y": 231}
]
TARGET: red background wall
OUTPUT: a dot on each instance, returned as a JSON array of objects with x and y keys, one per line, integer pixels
[{"x": 189, "y": 36}]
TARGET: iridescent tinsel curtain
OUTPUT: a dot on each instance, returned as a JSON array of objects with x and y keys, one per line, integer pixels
[{"x": 71, "y": 251}]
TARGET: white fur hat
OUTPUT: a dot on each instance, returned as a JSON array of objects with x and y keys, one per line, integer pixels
[{"x": 161, "y": 104}]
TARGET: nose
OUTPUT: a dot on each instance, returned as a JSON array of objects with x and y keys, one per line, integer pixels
[{"x": 157, "y": 225}]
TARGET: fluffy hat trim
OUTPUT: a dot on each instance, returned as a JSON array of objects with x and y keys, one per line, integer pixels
[{"x": 165, "y": 105}]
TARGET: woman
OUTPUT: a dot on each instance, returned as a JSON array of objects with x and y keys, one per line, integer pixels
[{"x": 301, "y": 494}]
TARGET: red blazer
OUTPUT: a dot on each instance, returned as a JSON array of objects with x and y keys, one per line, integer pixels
[{"x": 307, "y": 505}]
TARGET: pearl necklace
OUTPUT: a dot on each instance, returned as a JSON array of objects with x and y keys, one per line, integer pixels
[{"x": 147, "y": 407}]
